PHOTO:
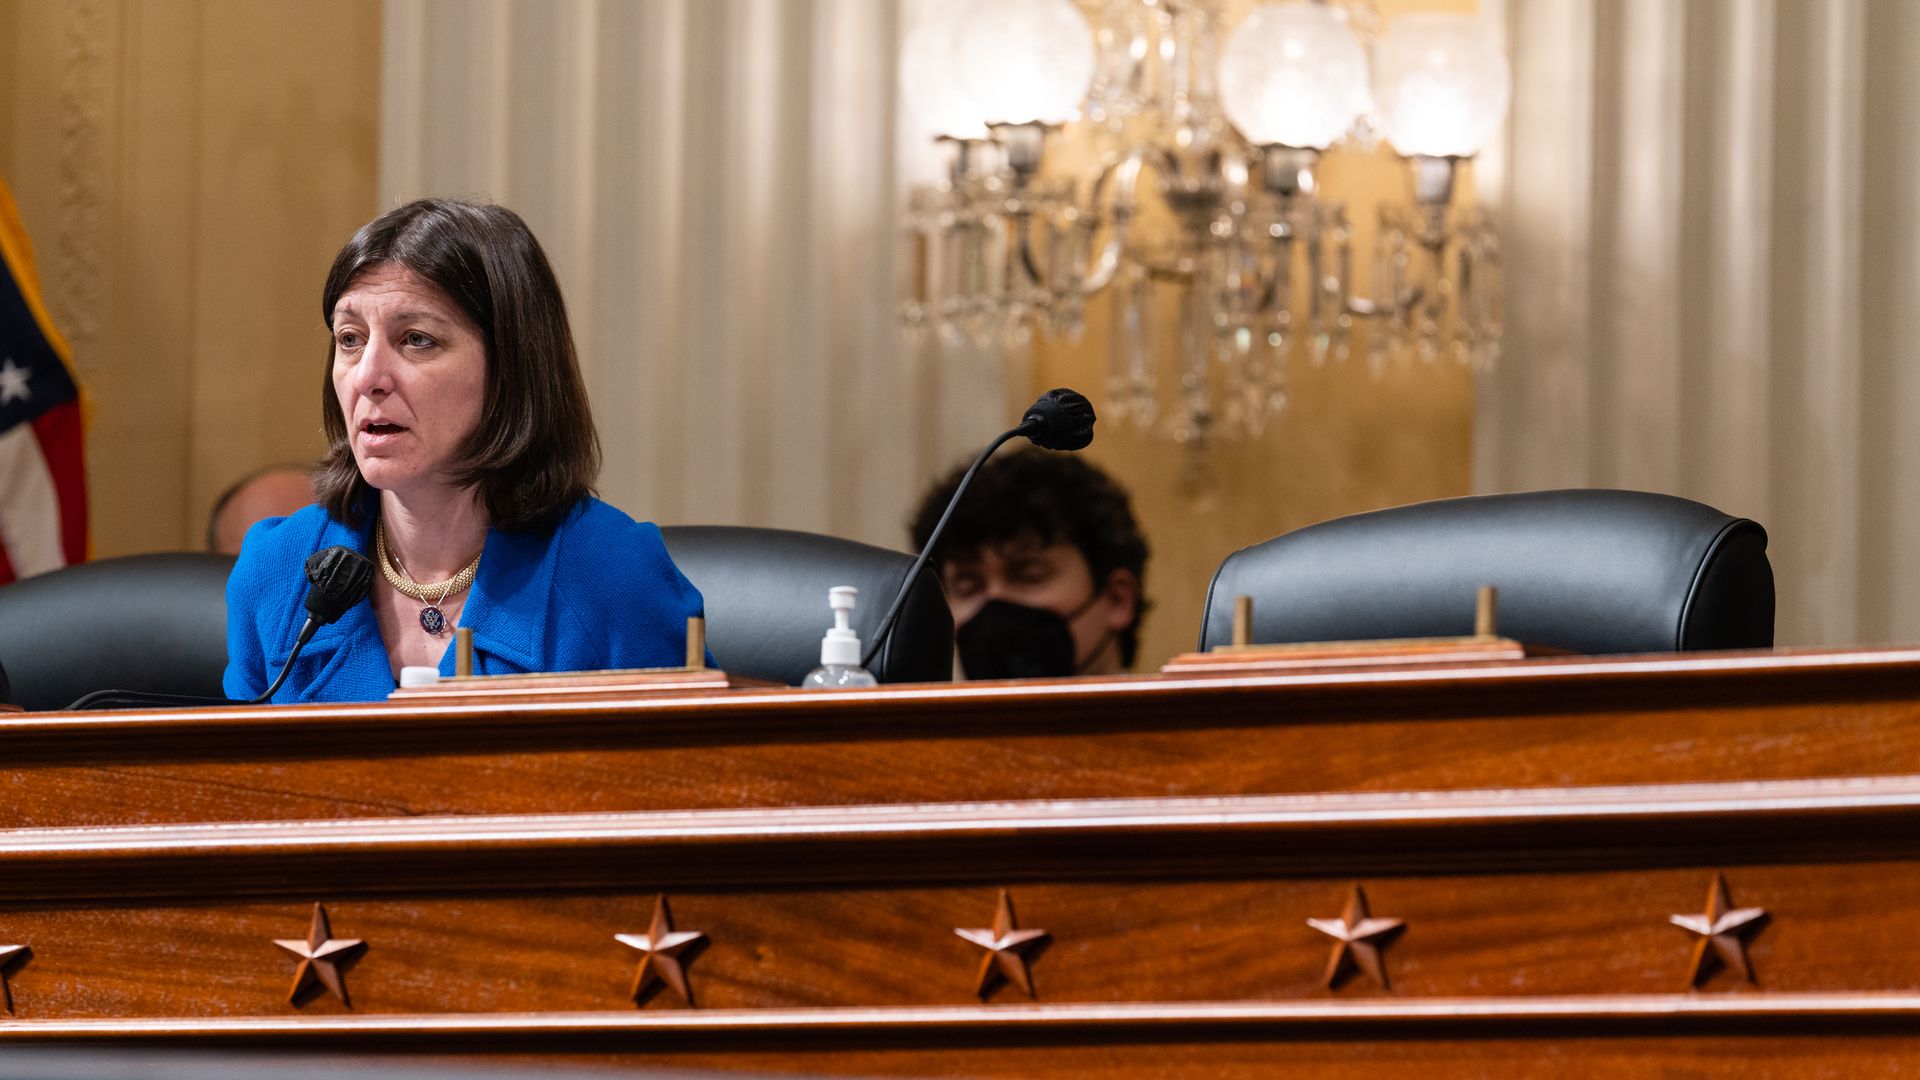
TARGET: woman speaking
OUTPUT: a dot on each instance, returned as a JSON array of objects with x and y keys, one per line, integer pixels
[{"x": 461, "y": 459}]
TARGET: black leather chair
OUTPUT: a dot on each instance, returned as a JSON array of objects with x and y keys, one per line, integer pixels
[
  {"x": 158, "y": 623},
  {"x": 1589, "y": 570},
  {"x": 152, "y": 623},
  {"x": 766, "y": 594}
]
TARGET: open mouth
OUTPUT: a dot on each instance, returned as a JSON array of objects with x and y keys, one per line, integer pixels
[{"x": 381, "y": 428}]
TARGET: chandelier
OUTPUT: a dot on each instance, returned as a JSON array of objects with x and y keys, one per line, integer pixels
[{"x": 1147, "y": 149}]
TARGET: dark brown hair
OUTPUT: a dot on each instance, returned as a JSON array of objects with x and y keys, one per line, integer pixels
[{"x": 534, "y": 453}]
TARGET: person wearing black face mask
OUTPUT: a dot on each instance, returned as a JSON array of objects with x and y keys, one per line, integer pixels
[
  {"x": 1043, "y": 565},
  {"x": 1009, "y": 640}
]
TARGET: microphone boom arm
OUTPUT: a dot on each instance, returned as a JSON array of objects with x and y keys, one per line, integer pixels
[
  {"x": 913, "y": 572},
  {"x": 306, "y": 634}
]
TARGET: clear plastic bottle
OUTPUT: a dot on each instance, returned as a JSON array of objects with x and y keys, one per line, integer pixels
[{"x": 840, "y": 649}]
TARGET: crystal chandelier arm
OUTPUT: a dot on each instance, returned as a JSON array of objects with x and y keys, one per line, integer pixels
[
  {"x": 1124, "y": 175},
  {"x": 1277, "y": 279},
  {"x": 1024, "y": 227}
]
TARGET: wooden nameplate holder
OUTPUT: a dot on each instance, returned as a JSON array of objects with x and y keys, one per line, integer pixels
[
  {"x": 1484, "y": 645},
  {"x": 466, "y": 688}
]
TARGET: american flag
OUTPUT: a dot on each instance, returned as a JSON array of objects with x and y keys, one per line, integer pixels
[{"x": 43, "y": 480}]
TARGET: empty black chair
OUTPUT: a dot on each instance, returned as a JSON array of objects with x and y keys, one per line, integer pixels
[
  {"x": 766, "y": 595},
  {"x": 1591, "y": 571},
  {"x": 152, "y": 623}
]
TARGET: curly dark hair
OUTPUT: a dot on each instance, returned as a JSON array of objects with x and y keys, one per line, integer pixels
[{"x": 1055, "y": 497}]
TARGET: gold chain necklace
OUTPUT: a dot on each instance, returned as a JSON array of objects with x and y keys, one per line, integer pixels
[{"x": 432, "y": 619}]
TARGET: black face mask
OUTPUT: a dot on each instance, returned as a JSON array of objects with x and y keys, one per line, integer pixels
[{"x": 1005, "y": 640}]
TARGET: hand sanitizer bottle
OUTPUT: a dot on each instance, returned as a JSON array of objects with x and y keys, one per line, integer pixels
[{"x": 840, "y": 649}]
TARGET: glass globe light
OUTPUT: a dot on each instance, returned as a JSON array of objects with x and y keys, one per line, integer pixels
[
  {"x": 1441, "y": 84},
  {"x": 929, "y": 83},
  {"x": 1293, "y": 75},
  {"x": 1025, "y": 61}
]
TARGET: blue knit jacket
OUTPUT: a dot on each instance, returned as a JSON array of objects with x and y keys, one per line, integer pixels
[{"x": 598, "y": 592}]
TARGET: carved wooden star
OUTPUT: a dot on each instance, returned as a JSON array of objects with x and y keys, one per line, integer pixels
[
  {"x": 1358, "y": 939},
  {"x": 1723, "y": 932},
  {"x": 321, "y": 955},
  {"x": 9, "y": 956},
  {"x": 661, "y": 947},
  {"x": 1006, "y": 950}
]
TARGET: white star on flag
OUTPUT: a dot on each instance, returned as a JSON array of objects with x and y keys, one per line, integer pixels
[{"x": 13, "y": 382}]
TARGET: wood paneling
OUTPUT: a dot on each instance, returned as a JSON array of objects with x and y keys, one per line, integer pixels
[
  {"x": 1534, "y": 824},
  {"x": 1530, "y": 915},
  {"x": 1533, "y": 723}
]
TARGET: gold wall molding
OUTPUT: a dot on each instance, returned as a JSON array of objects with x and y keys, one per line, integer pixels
[
  {"x": 186, "y": 170},
  {"x": 71, "y": 266}
]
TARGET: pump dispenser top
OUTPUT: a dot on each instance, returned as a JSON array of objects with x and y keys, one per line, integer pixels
[
  {"x": 840, "y": 649},
  {"x": 842, "y": 643}
]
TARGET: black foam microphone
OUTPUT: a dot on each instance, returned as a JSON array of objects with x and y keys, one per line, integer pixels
[
  {"x": 340, "y": 577},
  {"x": 1061, "y": 420}
]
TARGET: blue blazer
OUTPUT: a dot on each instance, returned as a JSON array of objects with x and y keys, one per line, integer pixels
[{"x": 599, "y": 592}]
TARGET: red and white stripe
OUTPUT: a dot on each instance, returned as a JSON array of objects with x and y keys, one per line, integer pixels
[{"x": 42, "y": 494}]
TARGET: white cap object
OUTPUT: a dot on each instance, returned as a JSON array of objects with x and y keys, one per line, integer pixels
[
  {"x": 419, "y": 676},
  {"x": 841, "y": 645}
]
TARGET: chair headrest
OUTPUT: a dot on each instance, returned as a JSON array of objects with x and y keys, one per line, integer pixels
[
  {"x": 766, "y": 597},
  {"x": 1593, "y": 571},
  {"x": 155, "y": 623}
]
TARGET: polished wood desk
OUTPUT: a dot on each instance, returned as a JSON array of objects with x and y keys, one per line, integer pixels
[{"x": 1523, "y": 834}]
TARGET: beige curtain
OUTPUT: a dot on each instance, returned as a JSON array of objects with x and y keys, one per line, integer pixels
[
  {"x": 716, "y": 181},
  {"x": 1712, "y": 215}
]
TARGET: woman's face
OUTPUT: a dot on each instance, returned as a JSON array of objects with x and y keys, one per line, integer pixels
[{"x": 410, "y": 373}]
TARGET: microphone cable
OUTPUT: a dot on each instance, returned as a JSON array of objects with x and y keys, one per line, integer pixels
[
  {"x": 340, "y": 577},
  {"x": 1061, "y": 419}
]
